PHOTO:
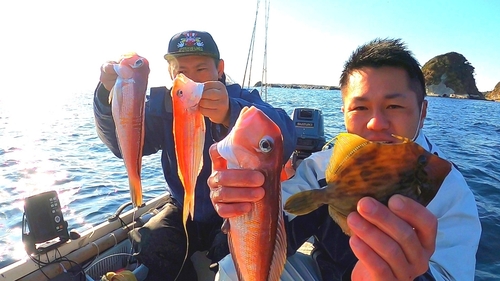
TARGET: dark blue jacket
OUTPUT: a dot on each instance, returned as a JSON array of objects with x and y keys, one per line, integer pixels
[{"x": 159, "y": 136}]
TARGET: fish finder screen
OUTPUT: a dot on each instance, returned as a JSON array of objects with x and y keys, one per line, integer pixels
[{"x": 44, "y": 217}]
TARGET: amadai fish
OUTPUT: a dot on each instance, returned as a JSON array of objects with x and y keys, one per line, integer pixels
[
  {"x": 189, "y": 136},
  {"x": 360, "y": 168},
  {"x": 257, "y": 240},
  {"x": 128, "y": 97}
]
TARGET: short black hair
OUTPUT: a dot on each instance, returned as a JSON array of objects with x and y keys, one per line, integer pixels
[{"x": 386, "y": 52}]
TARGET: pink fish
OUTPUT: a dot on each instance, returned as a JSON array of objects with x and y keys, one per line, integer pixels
[
  {"x": 128, "y": 97},
  {"x": 189, "y": 136},
  {"x": 257, "y": 240}
]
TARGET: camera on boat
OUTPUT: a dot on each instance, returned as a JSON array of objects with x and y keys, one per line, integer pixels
[{"x": 310, "y": 133}]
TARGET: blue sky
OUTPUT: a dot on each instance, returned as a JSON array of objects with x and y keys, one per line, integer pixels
[{"x": 59, "y": 45}]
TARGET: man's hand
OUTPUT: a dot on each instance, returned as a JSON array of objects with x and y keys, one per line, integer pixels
[
  {"x": 214, "y": 103},
  {"x": 108, "y": 75},
  {"x": 392, "y": 243},
  {"x": 232, "y": 191}
]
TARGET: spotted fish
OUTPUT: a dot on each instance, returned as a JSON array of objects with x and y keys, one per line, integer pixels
[{"x": 360, "y": 168}]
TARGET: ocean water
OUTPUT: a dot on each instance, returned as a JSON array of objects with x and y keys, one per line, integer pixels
[{"x": 56, "y": 148}]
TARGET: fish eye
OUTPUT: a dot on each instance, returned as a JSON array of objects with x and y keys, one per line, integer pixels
[
  {"x": 179, "y": 93},
  {"x": 138, "y": 63},
  {"x": 266, "y": 144},
  {"x": 422, "y": 161}
]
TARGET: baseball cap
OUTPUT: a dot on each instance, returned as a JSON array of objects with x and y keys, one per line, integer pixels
[{"x": 192, "y": 42}]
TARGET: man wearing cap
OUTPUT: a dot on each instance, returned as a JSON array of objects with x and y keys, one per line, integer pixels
[{"x": 161, "y": 242}]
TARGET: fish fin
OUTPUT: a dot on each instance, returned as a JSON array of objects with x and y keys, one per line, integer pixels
[
  {"x": 340, "y": 219},
  {"x": 304, "y": 202},
  {"x": 184, "y": 222},
  {"x": 186, "y": 209},
  {"x": 232, "y": 251},
  {"x": 280, "y": 248},
  {"x": 345, "y": 145},
  {"x": 110, "y": 97},
  {"x": 225, "y": 226}
]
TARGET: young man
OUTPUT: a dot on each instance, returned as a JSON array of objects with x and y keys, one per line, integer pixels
[
  {"x": 162, "y": 241},
  {"x": 383, "y": 93}
]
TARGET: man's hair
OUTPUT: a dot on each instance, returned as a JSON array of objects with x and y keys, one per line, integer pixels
[{"x": 386, "y": 52}]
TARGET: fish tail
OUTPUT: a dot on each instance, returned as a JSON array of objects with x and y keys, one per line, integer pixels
[
  {"x": 185, "y": 214},
  {"x": 304, "y": 202},
  {"x": 135, "y": 191}
]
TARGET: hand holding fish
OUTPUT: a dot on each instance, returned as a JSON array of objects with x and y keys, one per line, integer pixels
[
  {"x": 391, "y": 243},
  {"x": 394, "y": 242},
  {"x": 127, "y": 100},
  {"x": 233, "y": 191},
  {"x": 214, "y": 102},
  {"x": 108, "y": 75},
  {"x": 254, "y": 143}
]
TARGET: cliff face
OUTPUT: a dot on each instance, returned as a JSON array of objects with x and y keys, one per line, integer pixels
[
  {"x": 495, "y": 94},
  {"x": 451, "y": 75}
]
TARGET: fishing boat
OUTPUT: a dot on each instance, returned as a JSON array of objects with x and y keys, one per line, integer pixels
[
  {"x": 89, "y": 256},
  {"x": 105, "y": 247}
]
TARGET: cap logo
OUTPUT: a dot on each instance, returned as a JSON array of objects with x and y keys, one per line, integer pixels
[{"x": 190, "y": 43}]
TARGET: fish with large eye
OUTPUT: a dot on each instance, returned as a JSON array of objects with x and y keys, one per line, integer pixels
[
  {"x": 360, "y": 168},
  {"x": 127, "y": 99},
  {"x": 255, "y": 142}
]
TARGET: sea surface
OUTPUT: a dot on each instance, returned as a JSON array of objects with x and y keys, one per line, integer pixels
[{"x": 53, "y": 145}]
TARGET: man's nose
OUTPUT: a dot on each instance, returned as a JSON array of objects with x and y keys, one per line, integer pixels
[{"x": 378, "y": 121}]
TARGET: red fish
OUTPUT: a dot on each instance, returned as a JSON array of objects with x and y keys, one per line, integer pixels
[
  {"x": 257, "y": 240},
  {"x": 128, "y": 97},
  {"x": 189, "y": 136}
]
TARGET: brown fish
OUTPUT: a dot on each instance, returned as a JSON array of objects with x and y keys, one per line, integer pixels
[
  {"x": 257, "y": 240},
  {"x": 360, "y": 168}
]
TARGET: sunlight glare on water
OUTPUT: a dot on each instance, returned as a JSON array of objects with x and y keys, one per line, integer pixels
[{"x": 55, "y": 147}]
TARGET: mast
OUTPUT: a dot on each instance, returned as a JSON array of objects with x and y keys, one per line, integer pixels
[{"x": 249, "y": 63}]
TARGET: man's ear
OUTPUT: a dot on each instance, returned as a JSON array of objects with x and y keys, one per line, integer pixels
[
  {"x": 171, "y": 72},
  {"x": 423, "y": 114},
  {"x": 220, "y": 68}
]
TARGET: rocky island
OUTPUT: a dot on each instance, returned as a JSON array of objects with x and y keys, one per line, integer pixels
[
  {"x": 448, "y": 75},
  {"x": 495, "y": 94}
]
